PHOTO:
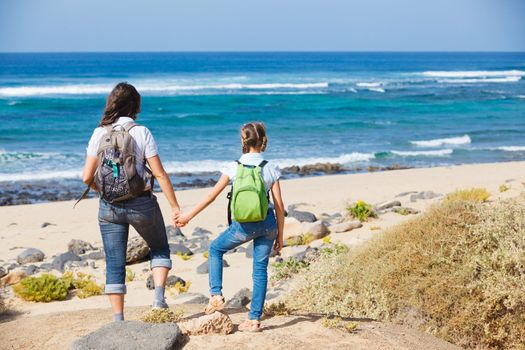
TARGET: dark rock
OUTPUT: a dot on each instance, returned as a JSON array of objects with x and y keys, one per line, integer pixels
[
  {"x": 205, "y": 245},
  {"x": 308, "y": 255},
  {"x": 137, "y": 251},
  {"x": 301, "y": 216},
  {"x": 175, "y": 233},
  {"x": 30, "y": 255},
  {"x": 46, "y": 224},
  {"x": 30, "y": 269},
  {"x": 60, "y": 260},
  {"x": 46, "y": 267},
  {"x": 72, "y": 264},
  {"x": 78, "y": 246},
  {"x": 199, "y": 231},
  {"x": 191, "y": 298},
  {"x": 171, "y": 281},
  {"x": 402, "y": 194},
  {"x": 317, "y": 168},
  {"x": 179, "y": 248},
  {"x": 3, "y": 272},
  {"x": 424, "y": 195},
  {"x": 130, "y": 335},
  {"x": 203, "y": 268},
  {"x": 239, "y": 300},
  {"x": 93, "y": 265}
]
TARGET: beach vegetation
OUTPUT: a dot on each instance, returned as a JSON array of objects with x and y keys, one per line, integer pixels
[
  {"x": 287, "y": 268},
  {"x": 333, "y": 249},
  {"x": 205, "y": 255},
  {"x": 44, "y": 288},
  {"x": 327, "y": 240},
  {"x": 184, "y": 256},
  {"x": 338, "y": 323},
  {"x": 85, "y": 285},
  {"x": 475, "y": 194},
  {"x": 130, "y": 275},
  {"x": 375, "y": 228},
  {"x": 457, "y": 271},
  {"x": 302, "y": 239},
  {"x": 401, "y": 211},
  {"x": 361, "y": 210},
  {"x": 276, "y": 309},
  {"x": 179, "y": 288},
  {"x": 162, "y": 316},
  {"x": 503, "y": 188}
]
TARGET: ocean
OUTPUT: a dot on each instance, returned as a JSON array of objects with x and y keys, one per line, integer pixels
[{"x": 360, "y": 110}]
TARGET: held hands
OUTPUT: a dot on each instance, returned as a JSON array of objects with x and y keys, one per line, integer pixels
[{"x": 180, "y": 220}]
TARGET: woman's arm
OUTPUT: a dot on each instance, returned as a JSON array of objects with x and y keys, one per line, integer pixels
[
  {"x": 164, "y": 182},
  {"x": 182, "y": 220},
  {"x": 279, "y": 213},
  {"x": 89, "y": 172}
]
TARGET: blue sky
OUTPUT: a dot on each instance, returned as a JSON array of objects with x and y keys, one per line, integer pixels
[{"x": 262, "y": 25}]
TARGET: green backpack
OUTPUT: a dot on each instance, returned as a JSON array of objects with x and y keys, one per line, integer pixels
[{"x": 248, "y": 198}]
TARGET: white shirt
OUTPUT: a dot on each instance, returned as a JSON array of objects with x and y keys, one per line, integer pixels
[
  {"x": 145, "y": 145},
  {"x": 270, "y": 172}
]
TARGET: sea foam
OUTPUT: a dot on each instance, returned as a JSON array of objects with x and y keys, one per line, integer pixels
[
  {"x": 474, "y": 74},
  {"x": 436, "y": 153},
  {"x": 462, "y": 140},
  {"x": 511, "y": 148}
]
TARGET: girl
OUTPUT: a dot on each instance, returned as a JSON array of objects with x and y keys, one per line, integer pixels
[
  {"x": 142, "y": 212},
  {"x": 265, "y": 234}
]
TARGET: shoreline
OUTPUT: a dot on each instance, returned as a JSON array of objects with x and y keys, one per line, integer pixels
[{"x": 14, "y": 193}]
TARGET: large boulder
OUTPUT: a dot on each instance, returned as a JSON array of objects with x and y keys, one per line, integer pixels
[
  {"x": 78, "y": 246},
  {"x": 345, "y": 226},
  {"x": 137, "y": 251},
  {"x": 240, "y": 299},
  {"x": 60, "y": 260},
  {"x": 30, "y": 255},
  {"x": 216, "y": 323},
  {"x": 317, "y": 229},
  {"x": 130, "y": 335}
]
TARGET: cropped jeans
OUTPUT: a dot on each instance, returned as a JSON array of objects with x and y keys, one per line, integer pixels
[
  {"x": 263, "y": 235},
  {"x": 143, "y": 213}
]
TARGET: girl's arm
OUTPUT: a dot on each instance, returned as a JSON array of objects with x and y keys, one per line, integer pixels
[
  {"x": 279, "y": 213},
  {"x": 89, "y": 172},
  {"x": 164, "y": 182},
  {"x": 182, "y": 220}
]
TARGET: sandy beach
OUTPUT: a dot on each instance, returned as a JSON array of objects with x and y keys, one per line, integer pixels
[{"x": 21, "y": 228}]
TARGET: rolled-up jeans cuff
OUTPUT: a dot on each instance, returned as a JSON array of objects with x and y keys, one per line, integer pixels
[
  {"x": 160, "y": 262},
  {"x": 115, "y": 289}
]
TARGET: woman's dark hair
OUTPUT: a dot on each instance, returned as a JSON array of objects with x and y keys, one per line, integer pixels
[
  {"x": 253, "y": 135},
  {"x": 123, "y": 101}
]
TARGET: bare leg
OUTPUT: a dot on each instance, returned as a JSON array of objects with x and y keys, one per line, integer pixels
[
  {"x": 117, "y": 304},
  {"x": 160, "y": 274}
]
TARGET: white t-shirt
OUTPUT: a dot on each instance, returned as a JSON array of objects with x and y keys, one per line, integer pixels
[
  {"x": 270, "y": 172},
  {"x": 145, "y": 146}
]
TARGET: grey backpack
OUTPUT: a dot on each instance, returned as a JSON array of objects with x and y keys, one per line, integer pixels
[{"x": 116, "y": 176}]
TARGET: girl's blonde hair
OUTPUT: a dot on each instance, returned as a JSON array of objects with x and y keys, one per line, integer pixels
[{"x": 253, "y": 135}]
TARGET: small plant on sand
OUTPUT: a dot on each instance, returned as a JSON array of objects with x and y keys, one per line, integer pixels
[
  {"x": 375, "y": 228},
  {"x": 179, "y": 288},
  {"x": 401, "y": 211},
  {"x": 85, "y": 285},
  {"x": 184, "y": 256},
  {"x": 303, "y": 239},
  {"x": 44, "y": 288},
  {"x": 469, "y": 195},
  {"x": 276, "y": 309},
  {"x": 130, "y": 275},
  {"x": 162, "y": 316},
  {"x": 338, "y": 323},
  {"x": 333, "y": 250},
  {"x": 287, "y": 268},
  {"x": 327, "y": 240},
  {"x": 503, "y": 188},
  {"x": 361, "y": 210},
  {"x": 205, "y": 255}
]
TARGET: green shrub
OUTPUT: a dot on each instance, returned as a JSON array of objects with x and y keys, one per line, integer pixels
[
  {"x": 287, "y": 268},
  {"x": 44, "y": 288},
  {"x": 162, "y": 316},
  {"x": 503, "y": 188},
  {"x": 469, "y": 195},
  {"x": 361, "y": 211},
  {"x": 86, "y": 286},
  {"x": 401, "y": 211},
  {"x": 456, "y": 271},
  {"x": 303, "y": 239}
]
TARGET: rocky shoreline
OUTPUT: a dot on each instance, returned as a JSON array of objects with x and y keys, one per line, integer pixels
[{"x": 44, "y": 191}]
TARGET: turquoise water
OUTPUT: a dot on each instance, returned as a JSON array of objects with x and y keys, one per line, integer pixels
[{"x": 358, "y": 109}]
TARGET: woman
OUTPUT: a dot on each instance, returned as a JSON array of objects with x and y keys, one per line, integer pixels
[
  {"x": 266, "y": 233},
  {"x": 140, "y": 211}
]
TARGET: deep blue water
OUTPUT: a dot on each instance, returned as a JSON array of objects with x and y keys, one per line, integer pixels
[{"x": 359, "y": 109}]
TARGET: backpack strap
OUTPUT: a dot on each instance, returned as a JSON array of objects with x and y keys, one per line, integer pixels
[
  {"x": 128, "y": 126},
  {"x": 229, "y": 196},
  {"x": 263, "y": 163}
]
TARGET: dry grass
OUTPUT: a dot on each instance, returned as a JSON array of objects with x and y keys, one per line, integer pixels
[
  {"x": 470, "y": 195},
  {"x": 162, "y": 316},
  {"x": 457, "y": 271}
]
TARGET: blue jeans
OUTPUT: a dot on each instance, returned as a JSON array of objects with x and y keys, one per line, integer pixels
[
  {"x": 143, "y": 213},
  {"x": 263, "y": 234}
]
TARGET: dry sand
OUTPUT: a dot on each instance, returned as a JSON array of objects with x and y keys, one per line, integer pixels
[{"x": 20, "y": 227}]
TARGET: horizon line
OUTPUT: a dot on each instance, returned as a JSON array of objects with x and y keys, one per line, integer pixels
[{"x": 263, "y": 51}]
